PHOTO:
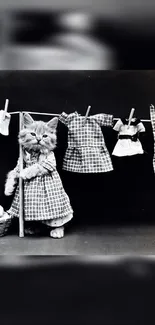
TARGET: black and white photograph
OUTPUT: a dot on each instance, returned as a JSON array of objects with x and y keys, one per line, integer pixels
[{"x": 77, "y": 169}]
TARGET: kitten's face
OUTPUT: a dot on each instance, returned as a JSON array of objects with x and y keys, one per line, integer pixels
[{"x": 38, "y": 135}]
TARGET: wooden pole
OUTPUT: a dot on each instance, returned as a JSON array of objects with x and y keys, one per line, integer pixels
[{"x": 21, "y": 206}]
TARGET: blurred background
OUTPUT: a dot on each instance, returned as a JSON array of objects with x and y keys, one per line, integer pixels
[
  {"x": 77, "y": 36},
  {"x": 77, "y": 291}
]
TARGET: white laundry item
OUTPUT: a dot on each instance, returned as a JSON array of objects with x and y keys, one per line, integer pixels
[
  {"x": 128, "y": 143},
  {"x": 4, "y": 122}
]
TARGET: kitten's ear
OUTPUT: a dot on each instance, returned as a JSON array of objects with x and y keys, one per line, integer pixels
[
  {"x": 27, "y": 120},
  {"x": 52, "y": 124}
]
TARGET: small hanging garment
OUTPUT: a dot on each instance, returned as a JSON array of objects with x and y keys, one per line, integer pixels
[
  {"x": 4, "y": 122},
  {"x": 5, "y": 119},
  {"x": 152, "y": 115},
  {"x": 128, "y": 143},
  {"x": 87, "y": 151}
]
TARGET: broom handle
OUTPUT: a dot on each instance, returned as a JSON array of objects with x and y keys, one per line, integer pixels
[{"x": 21, "y": 208}]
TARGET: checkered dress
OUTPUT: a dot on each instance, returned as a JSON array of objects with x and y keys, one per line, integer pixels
[
  {"x": 44, "y": 196},
  {"x": 152, "y": 115},
  {"x": 87, "y": 151}
]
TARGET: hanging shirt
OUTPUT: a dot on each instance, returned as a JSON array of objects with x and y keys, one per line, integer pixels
[
  {"x": 152, "y": 115},
  {"x": 128, "y": 143},
  {"x": 87, "y": 151}
]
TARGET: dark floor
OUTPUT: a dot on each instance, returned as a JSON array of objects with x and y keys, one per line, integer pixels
[{"x": 84, "y": 239}]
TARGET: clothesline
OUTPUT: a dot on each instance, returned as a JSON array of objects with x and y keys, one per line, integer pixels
[
  {"x": 35, "y": 113},
  {"x": 55, "y": 114},
  {"x": 142, "y": 120}
]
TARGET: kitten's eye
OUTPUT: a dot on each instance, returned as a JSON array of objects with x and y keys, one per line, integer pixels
[
  {"x": 45, "y": 136},
  {"x": 33, "y": 134}
]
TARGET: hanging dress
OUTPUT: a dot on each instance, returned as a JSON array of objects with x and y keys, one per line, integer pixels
[
  {"x": 44, "y": 196},
  {"x": 129, "y": 164},
  {"x": 87, "y": 151},
  {"x": 128, "y": 143}
]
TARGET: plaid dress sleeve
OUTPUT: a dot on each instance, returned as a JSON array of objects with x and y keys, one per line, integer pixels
[
  {"x": 49, "y": 162},
  {"x": 152, "y": 115},
  {"x": 64, "y": 117},
  {"x": 103, "y": 119}
]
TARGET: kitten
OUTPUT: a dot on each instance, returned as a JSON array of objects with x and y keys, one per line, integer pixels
[
  {"x": 38, "y": 137},
  {"x": 38, "y": 140}
]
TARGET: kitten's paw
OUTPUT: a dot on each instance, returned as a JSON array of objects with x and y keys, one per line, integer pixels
[
  {"x": 26, "y": 174},
  {"x": 57, "y": 232},
  {"x": 8, "y": 190},
  {"x": 23, "y": 174},
  {"x": 29, "y": 172}
]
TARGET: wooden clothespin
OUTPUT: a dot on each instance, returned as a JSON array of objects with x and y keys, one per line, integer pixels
[
  {"x": 5, "y": 119},
  {"x": 87, "y": 113},
  {"x": 131, "y": 116}
]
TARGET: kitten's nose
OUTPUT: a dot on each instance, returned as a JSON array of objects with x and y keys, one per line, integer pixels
[{"x": 38, "y": 139}]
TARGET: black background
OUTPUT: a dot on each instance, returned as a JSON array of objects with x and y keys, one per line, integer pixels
[
  {"x": 100, "y": 198},
  {"x": 79, "y": 291}
]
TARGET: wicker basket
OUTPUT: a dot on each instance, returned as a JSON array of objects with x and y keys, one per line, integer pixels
[{"x": 5, "y": 223}]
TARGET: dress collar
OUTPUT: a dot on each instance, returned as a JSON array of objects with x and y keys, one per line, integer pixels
[{"x": 135, "y": 122}]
